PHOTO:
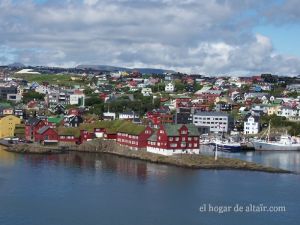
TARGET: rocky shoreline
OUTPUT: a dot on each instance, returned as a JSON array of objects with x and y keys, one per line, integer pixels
[{"x": 186, "y": 161}]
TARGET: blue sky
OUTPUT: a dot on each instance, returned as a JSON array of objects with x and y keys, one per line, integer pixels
[
  {"x": 284, "y": 38},
  {"x": 194, "y": 36}
]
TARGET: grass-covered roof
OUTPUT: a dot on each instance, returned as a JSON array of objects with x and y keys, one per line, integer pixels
[
  {"x": 114, "y": 126},
  {"x": 69, "y": 131}
]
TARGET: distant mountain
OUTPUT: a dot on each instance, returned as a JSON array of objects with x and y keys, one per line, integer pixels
[
  {"x": 16, "y": 65},
  {"x": 101, "y": 67},
  {"x": 114, "y": 69},
  {"x": 153, "y": 71}
]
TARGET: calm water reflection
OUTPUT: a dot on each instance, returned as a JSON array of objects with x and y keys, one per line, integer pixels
[
  {"x": 285, "y": 160},
  {"x": 82, "y": 188}
]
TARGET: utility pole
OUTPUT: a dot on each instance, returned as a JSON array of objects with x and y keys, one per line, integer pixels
[{"x": 216, "y": 152}]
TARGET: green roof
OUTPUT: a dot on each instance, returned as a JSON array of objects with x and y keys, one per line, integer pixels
[
  {"x": 69, "y": 131},
  {"x": 56, "y": 120},
  {"x": 181, "y": 96},
  {"x": 114, "y": 126},
  {"x": 153, "y": 137},
  {"x": 5, "y": 105},
  {"x": 131, "y": 128},
  {"x": 110, "y": 126},
  {"x": 277, "y": 101},
  {"x": 172, "y": 129}
]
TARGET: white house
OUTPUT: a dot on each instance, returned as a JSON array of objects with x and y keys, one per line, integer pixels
[
  {"x": 289, "y": 112},
  {"x": 75, "y": 99},
  {"x": 146, "y": 91},
  {"x": 219, "y": 82},
  {"x": 42, "y": 89},
  {"x": 128, "y": 116},
  {"x": 109, "y": 115},
  {"x": 251, "y": 125},
  {"x": 169, "y": 87}
]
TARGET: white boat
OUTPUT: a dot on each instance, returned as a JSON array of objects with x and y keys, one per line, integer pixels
[{"x": 285, "y": 143}]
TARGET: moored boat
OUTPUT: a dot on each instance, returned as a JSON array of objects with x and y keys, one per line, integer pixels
[
  {"x": 227, "y": 146},
  {"x": 285, "y": 143}
]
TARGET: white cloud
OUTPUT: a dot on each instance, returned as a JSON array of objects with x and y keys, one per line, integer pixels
[
  {"x": 195, "y": 36},
  {"x": 90, "y": 2}
]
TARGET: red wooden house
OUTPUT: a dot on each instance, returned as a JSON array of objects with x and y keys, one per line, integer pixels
[
  {"x": 103, "y": 96},
  {"x": 135, "y": 139},
  {"x": 68, "y": 135},
  {"x": 172, "y": 139},
  {"x": 160, "y": 117},
  {"x": 46, "y": 135},
  {"x": 182, "y": 102},
  {"x": 99, "y": 132},
  {"x": 31, "y": 128},
  {"x": 68, "y": 139},
  {"x": 75, "y": 111},
  {"x": 86, "y": 136},
  {"x": 110, "y": 135}
]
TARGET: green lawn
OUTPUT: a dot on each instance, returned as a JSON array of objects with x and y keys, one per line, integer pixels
[{"x": 59, "y": 79}]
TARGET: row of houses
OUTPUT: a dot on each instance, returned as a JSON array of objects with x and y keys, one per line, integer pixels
[{"x": 167, "y": 139}]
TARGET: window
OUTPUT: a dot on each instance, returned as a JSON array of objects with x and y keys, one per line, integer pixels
[
  {"x": 170, "y": 138},
  {"x": 177, "y": 139},
  {"x": 173, "y": 145}
]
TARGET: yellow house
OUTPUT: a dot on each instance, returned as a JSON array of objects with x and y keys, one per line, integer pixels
[
  {"x": 7, "y": 125},
  {"x": 273, "y": 109}
]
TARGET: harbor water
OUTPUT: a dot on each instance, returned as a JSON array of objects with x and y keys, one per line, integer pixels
[{"x": 83, "y": 188}]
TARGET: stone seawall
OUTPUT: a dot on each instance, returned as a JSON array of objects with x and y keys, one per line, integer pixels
[{"x": 182, "y": 160}]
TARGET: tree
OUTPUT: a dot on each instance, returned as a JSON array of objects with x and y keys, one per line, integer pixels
[
  {"x": 158, "y": 87},
  {"x": 93, "y": 101},
  {"x": 293, "y": 94},
  {"x": 245, "y": 88},
  {"x": 32, "y": 95},
  {"x": 88, "y": 91},
  {"x": 97, "y": 109},
  {"x": 179, "y": 86},
  {"x": 197, "y": 86}
]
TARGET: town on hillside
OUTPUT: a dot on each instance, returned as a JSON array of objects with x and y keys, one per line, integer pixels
[{"x": 163, "y": 112}]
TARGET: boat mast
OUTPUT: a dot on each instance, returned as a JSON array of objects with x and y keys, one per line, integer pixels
[{"x": 269, "y": 128}]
